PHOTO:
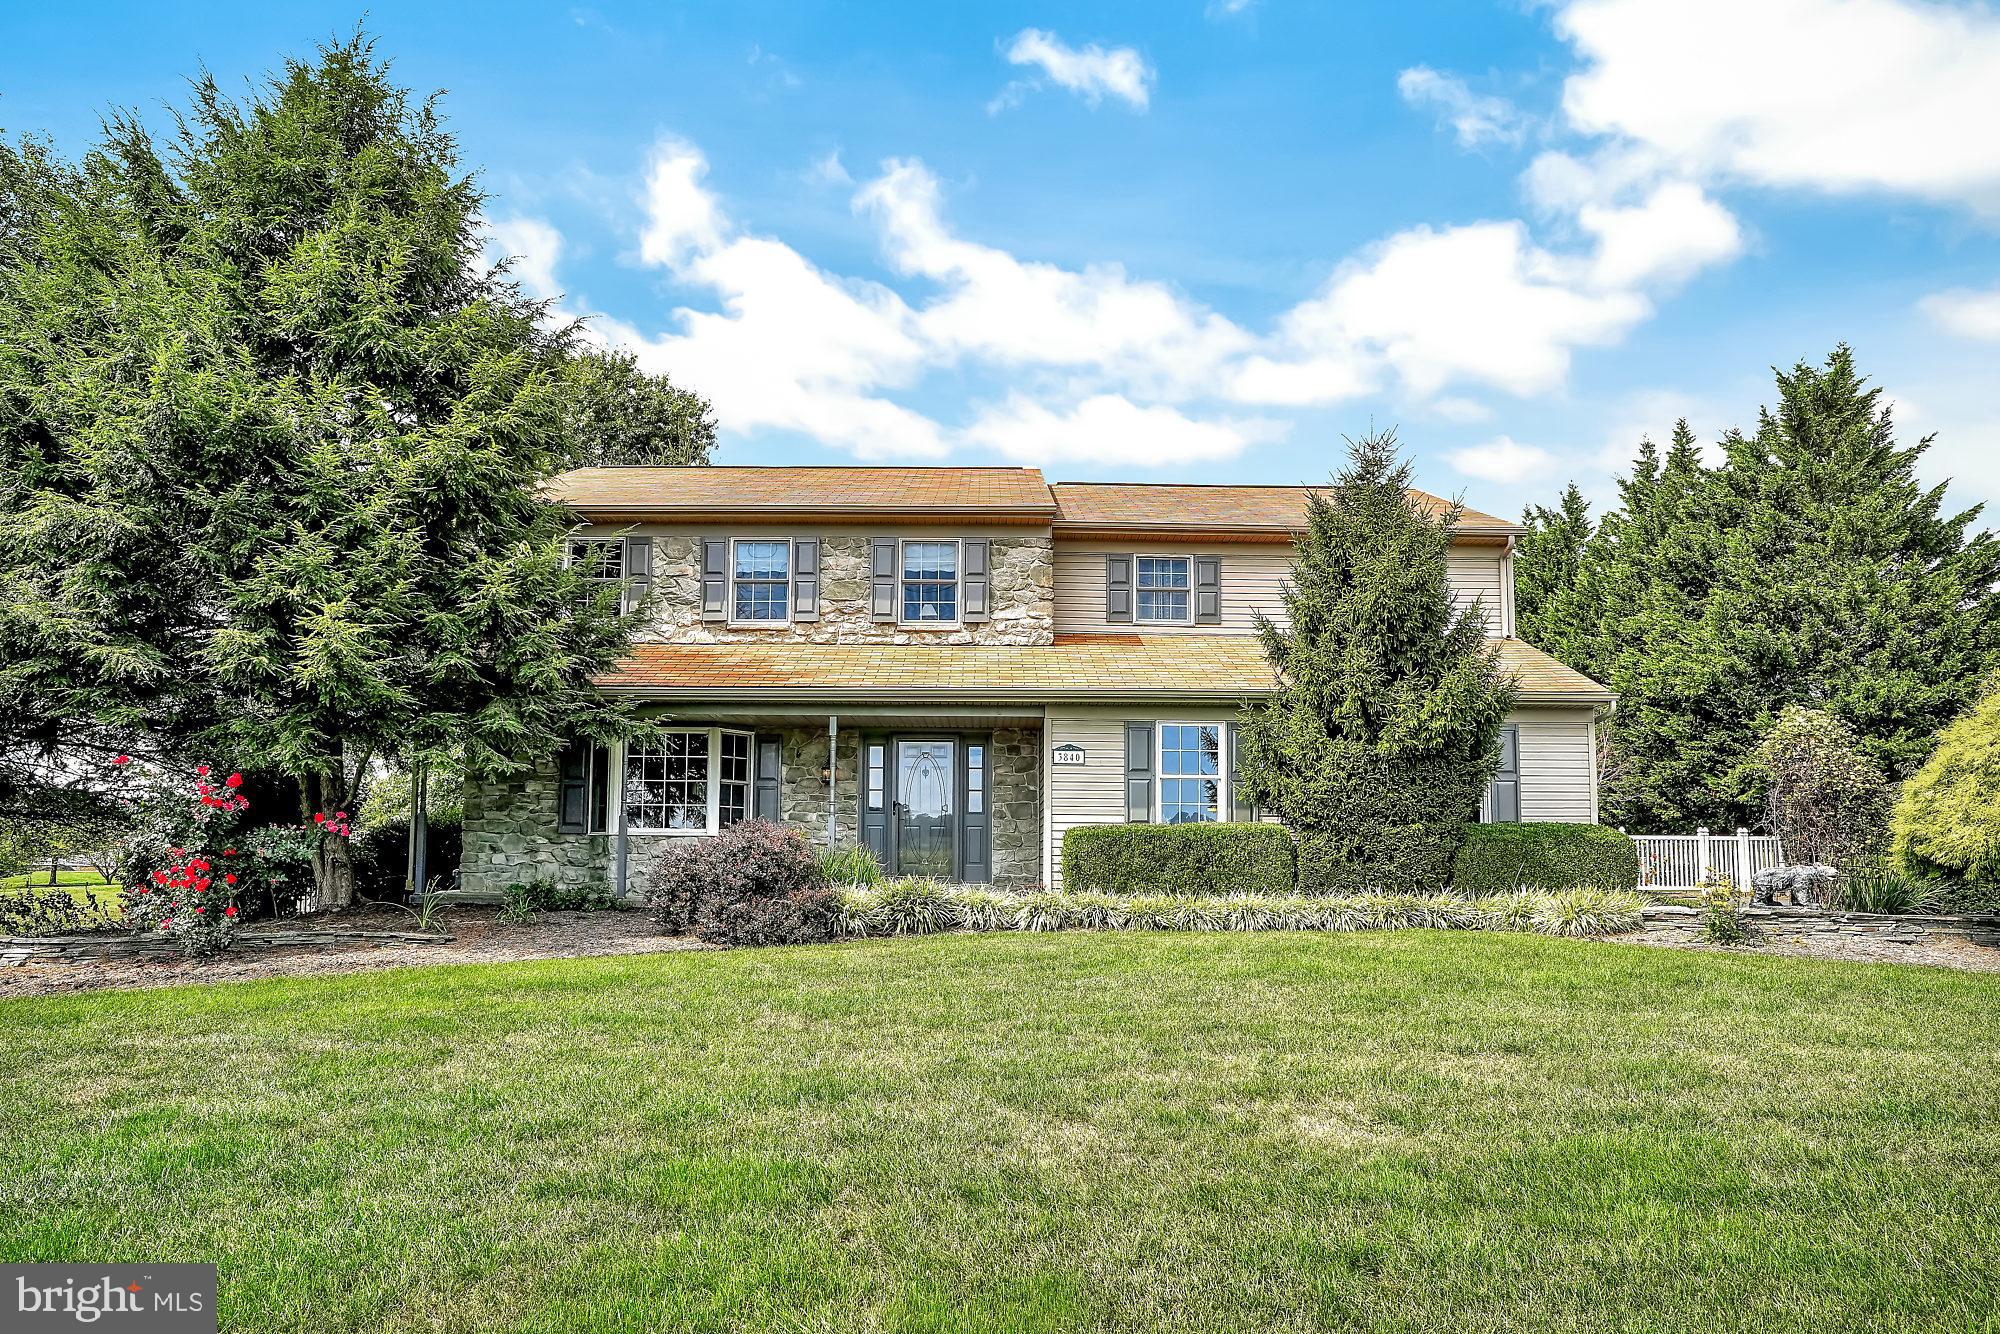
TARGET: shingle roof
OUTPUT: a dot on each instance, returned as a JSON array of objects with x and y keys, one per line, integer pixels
[
  {"x": 985, "y": 493},
  {"x": 1076, "y": 667},
  {"x": 997, "y": 495},
  {"x": 1543, "y": 679},
  {"x": 1143, "y": 505}
]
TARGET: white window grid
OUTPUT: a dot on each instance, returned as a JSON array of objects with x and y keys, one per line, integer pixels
[
  {"x": 1192, "y": 772},
  {"x": 1163, "y": 590}
]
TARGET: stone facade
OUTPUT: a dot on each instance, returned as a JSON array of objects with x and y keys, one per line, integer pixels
[
  {"x": 510, "y": 825},
  {"x": 1023, "y": 598},
  {"x": 510, "y": 835}
]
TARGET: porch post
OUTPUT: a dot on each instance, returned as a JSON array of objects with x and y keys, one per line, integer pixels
[
  {"x": 832, "y": 779},
  {"x": 618, "y": 849},
  {"x": 419, "y": 833}
]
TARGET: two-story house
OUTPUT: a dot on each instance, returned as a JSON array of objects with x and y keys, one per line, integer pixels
[{"x": 954, "y": 666}]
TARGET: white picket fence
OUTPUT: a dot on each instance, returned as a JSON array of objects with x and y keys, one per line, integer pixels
[{"x": 1683, "y": 861}]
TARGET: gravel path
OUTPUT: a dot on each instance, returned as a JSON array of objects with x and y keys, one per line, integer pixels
[
  {"x": 479, "y": 936},
  {"x": 1936, "y": 952}
]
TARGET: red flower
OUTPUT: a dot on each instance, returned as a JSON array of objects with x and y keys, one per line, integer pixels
[
  {"x": 319, "y": 819},
  {"x": 229, "y": 877},
  {"x": 123, "y": 759},
  {"x": 230, "y": 911},
  {"x": 234, "y": 780},
  {"x": 166, "y": 922},
  {"x": 229, "y": 852},
  {"x": 201, "y": 769},
  {"x": 340, "y": 815}
]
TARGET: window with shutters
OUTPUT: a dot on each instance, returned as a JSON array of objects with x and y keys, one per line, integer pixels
[
  {"x": 760, "y": 577},
  {"x": 930, "y": 583},
  {"x": 600, "y": 558},
  {"x": 1163, "y": 592},
  {"x": 1190, "y": 772},
  {"x": 687, "y": 780}
]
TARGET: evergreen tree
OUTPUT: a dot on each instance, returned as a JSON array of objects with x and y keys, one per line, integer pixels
[
  {"x": 271, "y": 433},
  {"x": 1384, "y": 731},
  {"x": 1808, "y": 567},
  {"x": 1549, "y": 568},
  {"x": 619, "y": 414},
  {"x": 1947, "y": 819}
]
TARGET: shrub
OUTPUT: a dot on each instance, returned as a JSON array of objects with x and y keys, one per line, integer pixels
[
  {"x": 382, "y": 853},
  {"x": 1397, "y": 858},
  {"x": 1721, "y": 915},
  {"x": 278, "y": 868},
  {"x": 1946, "y": 824},
  {"x": 1499, "y": 858},
  {"x": 42, "y": 911},
  {"x": 1879, "y": 887},
  {"x": 548, "y": 894},
  {"x": 801, "y": 917},
  {"x": 694, "y": 881},
  {"x": 1827, "y": 800},
  {"x": 1179, "y": 858},
  {"x": 920, "y": 907},
  {"x": 851, "y": 865}
]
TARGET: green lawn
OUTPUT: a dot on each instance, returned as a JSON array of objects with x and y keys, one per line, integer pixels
[
  {"x": 40, "y": 880},
  {"x": 1408, "y": 1130}
]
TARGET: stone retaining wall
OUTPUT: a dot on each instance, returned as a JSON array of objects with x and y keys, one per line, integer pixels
[{"x": 1983, "y": 929}]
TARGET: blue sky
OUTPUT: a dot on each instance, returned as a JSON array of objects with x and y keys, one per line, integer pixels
[{"x": 1201, "y": 241}]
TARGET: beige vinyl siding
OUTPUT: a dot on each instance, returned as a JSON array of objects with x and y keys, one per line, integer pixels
[
  {"x": 1558, "y": 764},
  {"x": 1094, "y": 792},
  {"x": 1253, "y": 581}
]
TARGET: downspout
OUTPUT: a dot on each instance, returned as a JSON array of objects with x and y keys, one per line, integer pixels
[
  {"x": 618, "y": 836},
  {"x": 832, "y": 776}
]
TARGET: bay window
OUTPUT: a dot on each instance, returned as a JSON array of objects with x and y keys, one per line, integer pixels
[{"x": 686, "y": 780}]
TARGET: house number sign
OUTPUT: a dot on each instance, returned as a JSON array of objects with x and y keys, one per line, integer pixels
[{"x": 1067, "y": 753}]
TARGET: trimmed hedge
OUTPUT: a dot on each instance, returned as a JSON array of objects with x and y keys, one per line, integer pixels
[
  {"x": 1178, "y": 858},
  {"x": 1499, "y": 858}
]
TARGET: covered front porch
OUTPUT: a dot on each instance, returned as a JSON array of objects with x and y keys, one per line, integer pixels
[{"x": 952, "y": 794}]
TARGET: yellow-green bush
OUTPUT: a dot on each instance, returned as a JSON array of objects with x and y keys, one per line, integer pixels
[{"x": 1947, "y": 820}]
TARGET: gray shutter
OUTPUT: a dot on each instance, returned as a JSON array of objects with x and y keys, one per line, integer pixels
[
  {"x": 765, "y": 804},
  {"x": 573, "y": 789},
  {"x": 1117, "y": 588},
  {"x": 715, "y": 579},
  {"x": 978, "y": 580},
  {"x": 1503, "y": 804},
  {"x": 1208, "y": 590},
  {"x": 805, "y": 579},
  {"x": 638, "y": 570},
  {"x": 1138, "y": 773},
  {"x": 882, "y": 579},
  {"x": 1239, "y": 809}
]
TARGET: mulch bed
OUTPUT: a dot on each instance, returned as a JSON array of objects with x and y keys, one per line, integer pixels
[{"x": 478, "y": 935}]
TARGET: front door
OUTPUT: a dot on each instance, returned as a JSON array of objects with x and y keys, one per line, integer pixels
[{"x": 924, "y": 827}]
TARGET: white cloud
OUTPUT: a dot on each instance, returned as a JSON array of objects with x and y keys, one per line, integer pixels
[
  {"x": 1477, "y": 303},
  {"x": 1111, "y": 430},
  {"x": 1226, "y": 9},
  {"x": 1503, "y": 460},
  {"x": 1673, "y": 234},
  {"x": 1965, "y": 312},
  {"x": 681, "y": 215},
  {"x": 998, "y": 308},
  {"x": 1091, "y": 72},
  {"x": 829, "y": 170},
  {"x": 1475, "y": 119},
  {"x": 1454, "y": 409},
  {"x": 534, "y": 247},
  {"x": 1834, "y": 95}
]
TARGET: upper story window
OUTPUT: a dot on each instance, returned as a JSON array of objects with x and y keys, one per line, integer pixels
[
  {"x": 930, "y": 583},
  {"x": 1165, "y": 586},
  {"x": 600, "y": 558},
  {"x": 1191, "y": 773},
  {"x": 761, "y": 582}
]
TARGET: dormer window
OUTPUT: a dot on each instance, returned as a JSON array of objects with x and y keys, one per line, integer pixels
[
  {"x": 930, "y": 583},
  {"x": 761, "y": 582}
]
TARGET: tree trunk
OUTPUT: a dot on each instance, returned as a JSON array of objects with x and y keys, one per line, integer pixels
[{"x": 333, "y": 862}]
